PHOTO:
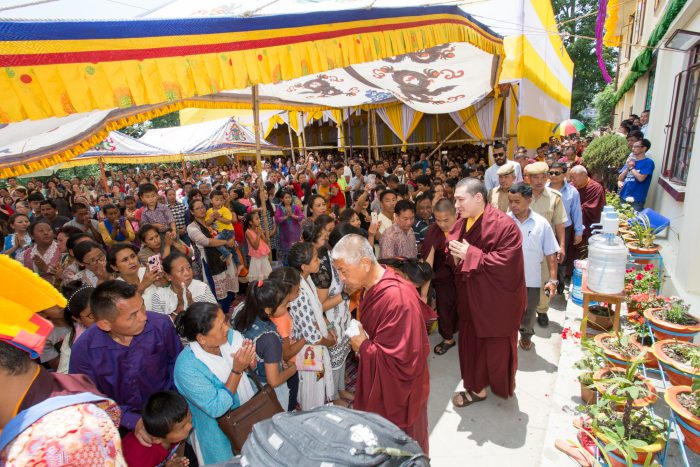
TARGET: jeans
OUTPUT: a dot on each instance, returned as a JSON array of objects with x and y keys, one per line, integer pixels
[{"x": 225, "y": 252}]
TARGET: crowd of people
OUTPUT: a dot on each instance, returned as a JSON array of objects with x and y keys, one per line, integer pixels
[{"x": 183, "y": 285}]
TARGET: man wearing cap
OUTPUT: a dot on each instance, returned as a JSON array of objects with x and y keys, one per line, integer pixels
[
  {"x": 548, "y": 204},
  {"x": 498, "y": 196},
  {"x": 499, "y": 156}
]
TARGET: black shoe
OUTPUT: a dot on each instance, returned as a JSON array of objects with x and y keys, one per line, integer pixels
[{"x": 542, "y": 319}]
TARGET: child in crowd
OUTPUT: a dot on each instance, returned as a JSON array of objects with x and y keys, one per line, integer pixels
[
  {"x": 220, "y": 218},
  {"x": 130, "y": 212},
  {"x": 156, "y": 213},
  {"x": 258, "y": 249},
  {"x": 152, "y": 244},
  {"x": 166, "y": 418},
  {"x": 77, "y": 316}
]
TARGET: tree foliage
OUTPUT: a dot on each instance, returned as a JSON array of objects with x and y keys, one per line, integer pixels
[
  {"x": 164, "y": 121},
  {"x": 604, "y": 104},
  {"x": 588, "y": 80},
  {"x": 604, "y": 155}
]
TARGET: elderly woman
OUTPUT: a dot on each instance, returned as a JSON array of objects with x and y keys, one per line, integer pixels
[
  {"x": 210, "y": 374},
  {"x": 222, "y": 278},
  {"x": 184, "y": 289},
  {"x": 43, "y": 256}
]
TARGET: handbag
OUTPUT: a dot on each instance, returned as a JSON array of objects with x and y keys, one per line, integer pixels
[
  {"x": 238, "y": 423},
  {"x": 310, "y": 358}
]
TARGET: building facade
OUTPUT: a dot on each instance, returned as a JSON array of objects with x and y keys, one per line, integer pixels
[{"x": 659, "y": 71}]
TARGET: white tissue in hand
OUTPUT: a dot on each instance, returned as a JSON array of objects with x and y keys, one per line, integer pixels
[{"x": 353, "y": 328}]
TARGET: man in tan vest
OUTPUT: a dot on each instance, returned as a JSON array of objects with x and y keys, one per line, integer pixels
[
  {"x": 547, "y": 203},
  {"x": 498, "y": 196}
]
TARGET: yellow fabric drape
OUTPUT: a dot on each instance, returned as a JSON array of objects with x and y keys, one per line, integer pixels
[
  {"x": 337, "y": 115},
  {"x": 472, "y": 125},
  {"x": 395, "y": 115}
]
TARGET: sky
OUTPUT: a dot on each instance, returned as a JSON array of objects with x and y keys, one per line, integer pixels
[{"x": 83, "y": 9}]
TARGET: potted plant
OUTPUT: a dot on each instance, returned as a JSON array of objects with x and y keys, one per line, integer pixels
[
  {"x": 685, "y": 403},
  {"x": 673, "y": 321},
  {"x": 679, "y": 359},
  {"x": 642, "y": 282},
  {"x": 620, "y": 349},
  {"x": 627, "y": 437},
  {"x": 617, "y": 383},
  {"x": 642, "y": 335},
  {"x": 593, "y": 360},
  {"x": 600, "y": 318},
  {"x": 642, "y": 236}
]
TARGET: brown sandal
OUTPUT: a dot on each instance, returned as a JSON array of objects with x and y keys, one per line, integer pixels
[
  {"x": 463, "y": 397},
  {"x": 525, "y": 344},
  {"x": 443, "y": 347}
]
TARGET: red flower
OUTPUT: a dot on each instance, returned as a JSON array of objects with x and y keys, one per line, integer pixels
[
  {"x": 640, "y": 277},
  {"x": 629, "y": 270},
  {"x": 649, "y": 267}
]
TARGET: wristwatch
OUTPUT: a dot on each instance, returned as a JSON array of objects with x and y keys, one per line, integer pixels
[
  {"x": 553, "y": 281},
  {"x": 344, "y": 296},
  {"x": 239, "y": 373}
]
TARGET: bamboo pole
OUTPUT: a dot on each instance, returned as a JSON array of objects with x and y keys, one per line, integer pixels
[
  {"x": 457, "y": 129},
  {"x": 258, "y": 168},
  {"x": 104, "y": 176},
  {"x": 350, "y": 131},
  {"x": 437, "y": 127},
  {"x": 184, "y": 170},
  {"x": 373, "y": 128},
  {"x": 291, "y": 141},
  {"x": 423, "y": 143},
  {"x": 303, "y": 133}
]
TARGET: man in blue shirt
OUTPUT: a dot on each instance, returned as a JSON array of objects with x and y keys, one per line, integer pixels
[
  {"x": 635, "y": 176},
  {"x": 573, "y": 227}
]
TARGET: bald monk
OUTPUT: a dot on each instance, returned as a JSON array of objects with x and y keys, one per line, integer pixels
[
  {"x": 392, "y": 377},
  {"x": 433, "y": 250},
  {"x": 592, "y": 196},
  {"x": 487, "y": 261}
]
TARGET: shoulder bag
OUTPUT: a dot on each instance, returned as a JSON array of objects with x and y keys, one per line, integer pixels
[{"x": 238, "y": 423}]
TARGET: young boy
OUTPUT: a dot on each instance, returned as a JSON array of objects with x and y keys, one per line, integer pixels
[
  {"x": 156, "y": 213},
  {"x": 220, "y": 219},
  {"x": 167, "y": 419}
]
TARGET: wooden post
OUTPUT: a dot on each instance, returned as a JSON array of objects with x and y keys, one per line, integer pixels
[
  {"x": 350, "y": 131},
  {"x": 373, "y": 128},
  {"x": 184, "y": 169},
  {"x": 437, "y": 127},
  {"x": 104, "y": 176},
  {"x": 303, "y": 133},
  {"x": 258, "y": 165},
  {"x": 291, "y": 141}
]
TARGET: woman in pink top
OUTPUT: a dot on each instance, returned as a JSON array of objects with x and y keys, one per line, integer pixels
[{"x": 258, "y": 249}]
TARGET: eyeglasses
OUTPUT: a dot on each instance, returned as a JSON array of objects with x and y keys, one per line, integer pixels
[
  {"x": 499, "y": 154},
  {"x": 101, "y": 259},
  {"x": 555, "y": 173}
]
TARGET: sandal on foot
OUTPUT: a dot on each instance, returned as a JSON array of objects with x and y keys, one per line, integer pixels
[
  {"x": 443, "y": 347},
  {"x": 462, "y": 395},
  {"x": 525, "y": 344}
]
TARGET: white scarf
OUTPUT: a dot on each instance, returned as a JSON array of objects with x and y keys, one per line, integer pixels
[
  {"x": 48, "y": 255},
  {"x": 221, "y": 365},
  {"x": 308, "y": 285}
]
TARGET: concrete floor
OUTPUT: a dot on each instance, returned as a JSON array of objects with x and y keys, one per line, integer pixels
[{"x": 498, "y": 431}]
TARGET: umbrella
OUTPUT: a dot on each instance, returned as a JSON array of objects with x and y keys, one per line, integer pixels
[{"x": 568, "y": 127}]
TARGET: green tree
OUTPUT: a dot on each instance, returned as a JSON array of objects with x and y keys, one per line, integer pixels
[
  {"x": 164, "y": 121},
  {"x": 604, "y": 103},
  {"x": 577, "y": 20}
]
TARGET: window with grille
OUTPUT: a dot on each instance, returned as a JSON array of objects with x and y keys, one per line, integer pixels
[{"x": 684, "y": 116}]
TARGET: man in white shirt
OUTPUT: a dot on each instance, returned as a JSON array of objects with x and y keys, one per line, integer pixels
[
  {"x": 387, "y": 201},
  {"x": 539, "y": 243},
  {"x": 499, "y": 156}
]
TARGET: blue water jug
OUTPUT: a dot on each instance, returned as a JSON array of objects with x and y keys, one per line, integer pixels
[{"x": 576, "y": 283}]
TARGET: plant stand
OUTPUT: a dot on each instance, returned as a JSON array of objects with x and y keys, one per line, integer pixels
[{"x": 613, "y": 300}]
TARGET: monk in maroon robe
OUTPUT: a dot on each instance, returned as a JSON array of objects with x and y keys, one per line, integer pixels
[
  {"x": 592, "y": 196},
  {"x": 433, "y": 250},
  {"x": 488, "y": 265},
  {"x": 392, "y": 378}
]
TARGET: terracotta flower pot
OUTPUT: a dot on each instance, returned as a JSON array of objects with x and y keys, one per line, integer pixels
[
  {"x": 604, "y": 373},
  {"x": 599, "y": 322},
  {"x": 650, "y": 361},
  {"x": 692, "y": 440},
  {"x": 588, "y": 395},
  {"x": 633, "y": 247},
  {"x": 617, "y": 459},
  {"x": 616, "y": 357},
  {"x": 679, "y": 373},
  {"x": 673, "y": 331}
]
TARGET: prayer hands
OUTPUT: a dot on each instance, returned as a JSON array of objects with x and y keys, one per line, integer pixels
[
  {"x": 458, "y": 249},
  {"x": 40, "y": 264},
  {"x": 177, "y": 461},
  {"x": 630, "y": 163},
  {"x": 169, "y": 238},
  {"x": 142, "y": 435},
  {"x": 356, "y": 341},
  {"x": 243, "y": 356}
]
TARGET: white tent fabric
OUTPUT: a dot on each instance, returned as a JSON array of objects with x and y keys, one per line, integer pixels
[
  {"x": 119, "y": 144},
  {"x": 225, "y": 136}
]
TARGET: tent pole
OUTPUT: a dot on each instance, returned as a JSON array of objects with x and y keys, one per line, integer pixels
[
  {"x": 184, "y": 170},
  {"x": 291, "y": 141},
  {"x": 303, "y": 133},
  {"x": 437, "y": 127},
  {"x": 457, "y": 129},
  {"x": 104, "y": 176},
  {"x": 258, "y": 166},
  {"x": 350, "y": 131},
  {"x": 373, "y": 113}
]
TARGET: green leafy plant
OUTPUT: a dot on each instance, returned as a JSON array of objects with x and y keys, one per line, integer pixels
[
  {"x": 605, "y": 154},
  {"x": 642, "y": 231},
  {"x": 624, "y": 384},
  {"x": 593, "y": 360},
  {"x": 677, "y": 312}
]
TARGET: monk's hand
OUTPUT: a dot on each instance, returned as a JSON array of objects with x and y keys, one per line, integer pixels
[
  {"x": 356, "y": 341},
  {"x": 578, "y": 239},
  {"x": 459, "y": 249}
]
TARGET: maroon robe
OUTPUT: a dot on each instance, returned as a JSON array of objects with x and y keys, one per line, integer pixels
[
  {"x": 592, "y": 202},
  {"x": 392, "y": 378},
  {"x": 443, "y": 281},
  {"x": 491, "y": 299}
]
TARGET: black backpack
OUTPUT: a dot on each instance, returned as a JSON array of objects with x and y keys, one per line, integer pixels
[{"x": 330, "y": 436}]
